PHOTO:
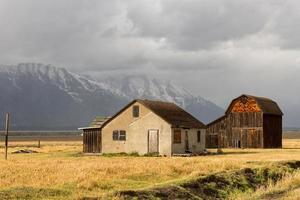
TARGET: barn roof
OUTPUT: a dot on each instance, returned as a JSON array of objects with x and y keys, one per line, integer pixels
[
  {"x": 170, "y": 112},
  {"x": 268, "y": 106},
  {"x": 217, "y": 120}
]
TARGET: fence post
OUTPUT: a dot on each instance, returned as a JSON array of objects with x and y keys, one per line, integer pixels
[{"x": 6, "y": 134}]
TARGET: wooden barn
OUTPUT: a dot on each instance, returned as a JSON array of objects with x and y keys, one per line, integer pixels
[
  {"x": 249, "y": 122},
  {"x": 146, "y": 126}
]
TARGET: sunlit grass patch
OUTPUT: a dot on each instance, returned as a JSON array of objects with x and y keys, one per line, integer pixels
[{"x": 61, "y": 164}]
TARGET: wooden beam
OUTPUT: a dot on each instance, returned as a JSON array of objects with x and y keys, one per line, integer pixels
[{"x": 6, "y": 133}]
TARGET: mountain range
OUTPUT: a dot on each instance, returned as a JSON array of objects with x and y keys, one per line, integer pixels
[{"x": 44, "y": 97}]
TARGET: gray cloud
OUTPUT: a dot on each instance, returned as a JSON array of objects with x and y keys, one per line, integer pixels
[
  {"x": 193, "y": 25},
  {"x": 217, "y": 49}
]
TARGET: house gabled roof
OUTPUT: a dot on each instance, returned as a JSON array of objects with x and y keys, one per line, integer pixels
[
  {"x": 170, "y": 112},
  {"x": 266, "y": 105},
  {"x": 173, "y": 114}
]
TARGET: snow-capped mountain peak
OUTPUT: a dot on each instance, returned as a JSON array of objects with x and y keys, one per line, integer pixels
[{"x": 41, "y": 95}]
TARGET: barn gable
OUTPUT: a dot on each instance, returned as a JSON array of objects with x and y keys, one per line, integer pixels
[{"x": 249, "y": 103}]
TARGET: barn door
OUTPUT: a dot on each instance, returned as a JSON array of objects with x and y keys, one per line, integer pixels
[
  {"x": 92, "y": 141},
  {"x": 153, "y": 141},
  {"x": 244, "y": 138}
]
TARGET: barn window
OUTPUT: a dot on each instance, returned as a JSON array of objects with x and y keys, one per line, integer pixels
[
  {"x": 115, "y": 135},
  {"x": 135, "y": 111},
  {"x": 122, "y": 135},
  {"x": 199, "y": 136},
  {"x": 177, "y": 136}
]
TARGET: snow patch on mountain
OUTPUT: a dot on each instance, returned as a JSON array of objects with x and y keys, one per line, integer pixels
[{"x": 44, "y": 95}]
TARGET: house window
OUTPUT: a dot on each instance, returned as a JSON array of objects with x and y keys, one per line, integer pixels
[
  {"x": 115, "y": 135},
  {"x": 122, "y": 135},
  {"x": 198, "y": 136},
  {"x": 135, "y": 111},
  {"x": 119, "y": 135},
  {"x": 177, "y": 136}
]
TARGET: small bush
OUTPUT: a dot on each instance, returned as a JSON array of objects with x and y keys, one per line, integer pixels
[
  {"x": 121, "y": 154},
  {"x": 151, "y": 155}
]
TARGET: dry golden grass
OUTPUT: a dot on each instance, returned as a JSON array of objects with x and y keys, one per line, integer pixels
[
  {"x": 60, "y": 165},
  {"x": 286, "y": 189}
]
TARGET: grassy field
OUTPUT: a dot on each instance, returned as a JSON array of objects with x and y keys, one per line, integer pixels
[{"x": 60, "y": 171}]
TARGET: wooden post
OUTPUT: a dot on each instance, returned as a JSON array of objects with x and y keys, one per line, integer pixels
[
  {"x": 39, "y": 144},
  {"x": 6, "y": 134}
]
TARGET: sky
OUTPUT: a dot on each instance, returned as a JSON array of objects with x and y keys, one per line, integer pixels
[{"x": 217, "y": 49}]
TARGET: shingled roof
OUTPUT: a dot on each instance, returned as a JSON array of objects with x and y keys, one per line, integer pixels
[
  {"x": 98, "y": 121},
  {"x": 173, "y": 114},
  {"x": 170, "y": 112},
  {"x": 267, "y": 105}
]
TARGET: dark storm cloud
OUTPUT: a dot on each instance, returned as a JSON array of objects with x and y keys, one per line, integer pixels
[{"x": 169, "y": 34}]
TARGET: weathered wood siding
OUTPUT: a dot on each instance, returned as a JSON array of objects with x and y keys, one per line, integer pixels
[
  {"x": 236, "y": 130},
  {"x": 92, "y": 141},
  {"x": 242, "y": 127},
  {"x": 215, "y": 132},
  {"x": 272, "y": 131},
  {"x": 245, "y": 126}
]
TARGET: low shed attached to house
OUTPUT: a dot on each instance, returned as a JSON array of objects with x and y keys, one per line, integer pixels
[
  {"x": 146, "y": 126},
  {"x": 249, "y": 122},
  {"x": 92, "y": 135}
]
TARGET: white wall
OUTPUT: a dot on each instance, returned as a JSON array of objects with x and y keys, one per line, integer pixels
[{"x": 136, "y": 132}]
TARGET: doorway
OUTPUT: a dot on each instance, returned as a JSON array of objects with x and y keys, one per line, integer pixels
[
  {"x": 153, "y": 141},
  {"x": 92, "y": 141},
  {"x": 187, "y": 146}
]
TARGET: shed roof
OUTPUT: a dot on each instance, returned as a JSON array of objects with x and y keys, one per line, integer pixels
[
  {"x": 99, "y": 121},
  {"x": 170, "y": 112},
  {"x": 96, "y": 123},
  {"x": 267, "y": 105}
]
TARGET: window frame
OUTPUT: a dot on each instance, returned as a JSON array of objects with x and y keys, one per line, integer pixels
[
  {"x": 177, "y": 139},
  {"x": 135, "y": 111},
  {"x": 122, "y": 135},
  {"x": 119, "y": 135},
  {"x": 199, "y": 136},
  {"x": 115, "y": 135}
]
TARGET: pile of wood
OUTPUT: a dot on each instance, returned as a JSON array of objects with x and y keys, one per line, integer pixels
[{"x": 24, "y": 151}]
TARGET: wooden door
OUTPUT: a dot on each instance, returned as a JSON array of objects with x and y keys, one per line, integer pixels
[
  {"x": 244, "y": 138},
  {"x": 92, "y": 141},
  {"x": 153, "y": 141}
]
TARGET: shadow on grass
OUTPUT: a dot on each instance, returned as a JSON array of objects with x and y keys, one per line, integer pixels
[
  {"x": 218, "y": 185},
  {"x": 238, "y": 152},
  {"x": 25, "y": 193}
]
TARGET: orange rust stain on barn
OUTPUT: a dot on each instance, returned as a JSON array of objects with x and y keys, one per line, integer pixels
[{"x": 245, "y": 105}]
